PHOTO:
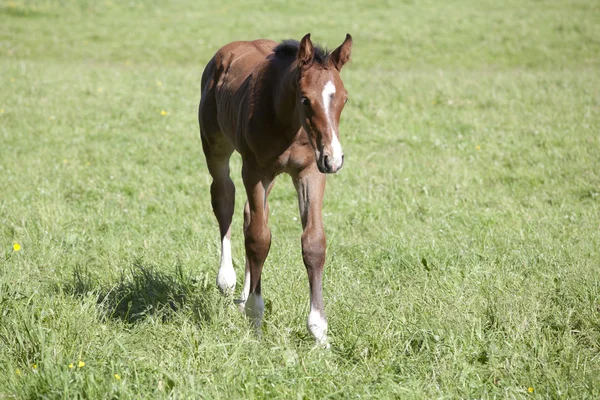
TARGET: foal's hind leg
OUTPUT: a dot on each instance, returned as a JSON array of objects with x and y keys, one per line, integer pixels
[
  {"x": 246, "y": 289},
  {"x": 217, "y": 151},
  {"x": 222, "y": 193},
  {"x": 310, "y": 185}
]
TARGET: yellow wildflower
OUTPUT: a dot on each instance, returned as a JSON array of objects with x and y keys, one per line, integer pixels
[
  {"x": 18, "y": 371},
  {"x": 530, "y": 389},
  {"x": 1, "y": 110},
  {"x": 16, "y": 247},
  {"x": 478, "y": 147},
  {"x": 158, "y": 83},
  {"x": 81, "y": 364},
  {"x": 118, "y": 377},
  {"x": 71, "y": 366},
  {"x": 34, "y": 366},
  {"x": 163, "y": 113}
]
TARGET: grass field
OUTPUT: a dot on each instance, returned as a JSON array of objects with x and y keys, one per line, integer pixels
[{"x": 463, "y": 232}]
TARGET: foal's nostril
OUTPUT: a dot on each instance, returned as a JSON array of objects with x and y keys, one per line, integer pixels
[{"x": 326, "y": 162}]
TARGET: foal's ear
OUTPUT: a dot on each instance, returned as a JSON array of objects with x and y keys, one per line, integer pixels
[
  {"x": 305, "y": 51},
  {"x": 341, "y": 55}
]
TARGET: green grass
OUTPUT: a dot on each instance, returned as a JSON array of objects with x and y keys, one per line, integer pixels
[{"x": 463, "y": 232}]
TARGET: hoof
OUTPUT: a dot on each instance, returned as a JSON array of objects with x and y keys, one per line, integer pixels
[
  {"x": 226, "y": 281},
  {"x": 317, "y": 326},
  {"x": 241, "y": 304},
  {"x": 255, "y": 308}
]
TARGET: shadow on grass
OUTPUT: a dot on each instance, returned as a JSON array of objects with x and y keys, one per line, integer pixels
[{"x": 142, "y": 291}]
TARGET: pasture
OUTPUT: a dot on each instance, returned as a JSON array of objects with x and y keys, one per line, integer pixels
[{"x": 463, "y": 231}]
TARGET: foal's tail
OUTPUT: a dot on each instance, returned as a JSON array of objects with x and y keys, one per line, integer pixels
[{"x": 207, "y": 75}]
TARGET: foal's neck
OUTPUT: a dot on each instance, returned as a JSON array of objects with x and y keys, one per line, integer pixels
[{"x": 285, "y": 99}]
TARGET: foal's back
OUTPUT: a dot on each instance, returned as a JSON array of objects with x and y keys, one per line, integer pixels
[
  {"x": 224, "y": 80},
  {"x": 238, "y": 59}
]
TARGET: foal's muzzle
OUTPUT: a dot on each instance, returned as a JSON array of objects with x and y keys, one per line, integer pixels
[{"x": 328, "y": 164}]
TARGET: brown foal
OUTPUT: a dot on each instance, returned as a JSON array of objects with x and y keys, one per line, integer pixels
[{"x": 279, "y": 106}]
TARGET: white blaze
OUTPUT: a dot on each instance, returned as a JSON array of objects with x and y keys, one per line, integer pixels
[
  {"x": 336, "y": 149},
  {"x": 328, "y": 90}
]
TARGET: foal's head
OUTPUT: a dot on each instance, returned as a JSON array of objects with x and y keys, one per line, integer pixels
[{"x": 320, "y": 99}]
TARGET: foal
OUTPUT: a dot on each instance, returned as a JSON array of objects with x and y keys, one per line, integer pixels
[{"x": 279, "y": 106}]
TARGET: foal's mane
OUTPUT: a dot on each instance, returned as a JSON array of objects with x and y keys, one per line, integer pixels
[{"x": 289, "y": 48}]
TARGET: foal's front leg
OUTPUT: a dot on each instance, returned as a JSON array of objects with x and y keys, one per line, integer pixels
[
  {"x": 257, "y": 236},
  {"x": 310, "y": 185}
]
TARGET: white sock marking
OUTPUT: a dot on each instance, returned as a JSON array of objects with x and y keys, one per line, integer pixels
[
  {"x": 317, "y": 326},
  {"x": 246, "y": 290},
  {"x": 226, "y": 275}
]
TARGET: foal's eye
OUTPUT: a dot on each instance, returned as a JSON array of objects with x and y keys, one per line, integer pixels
[{"x": 305, "y": 101}]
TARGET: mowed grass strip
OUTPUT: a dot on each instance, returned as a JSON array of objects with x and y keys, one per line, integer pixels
[{"x": 463, "y": 231}]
